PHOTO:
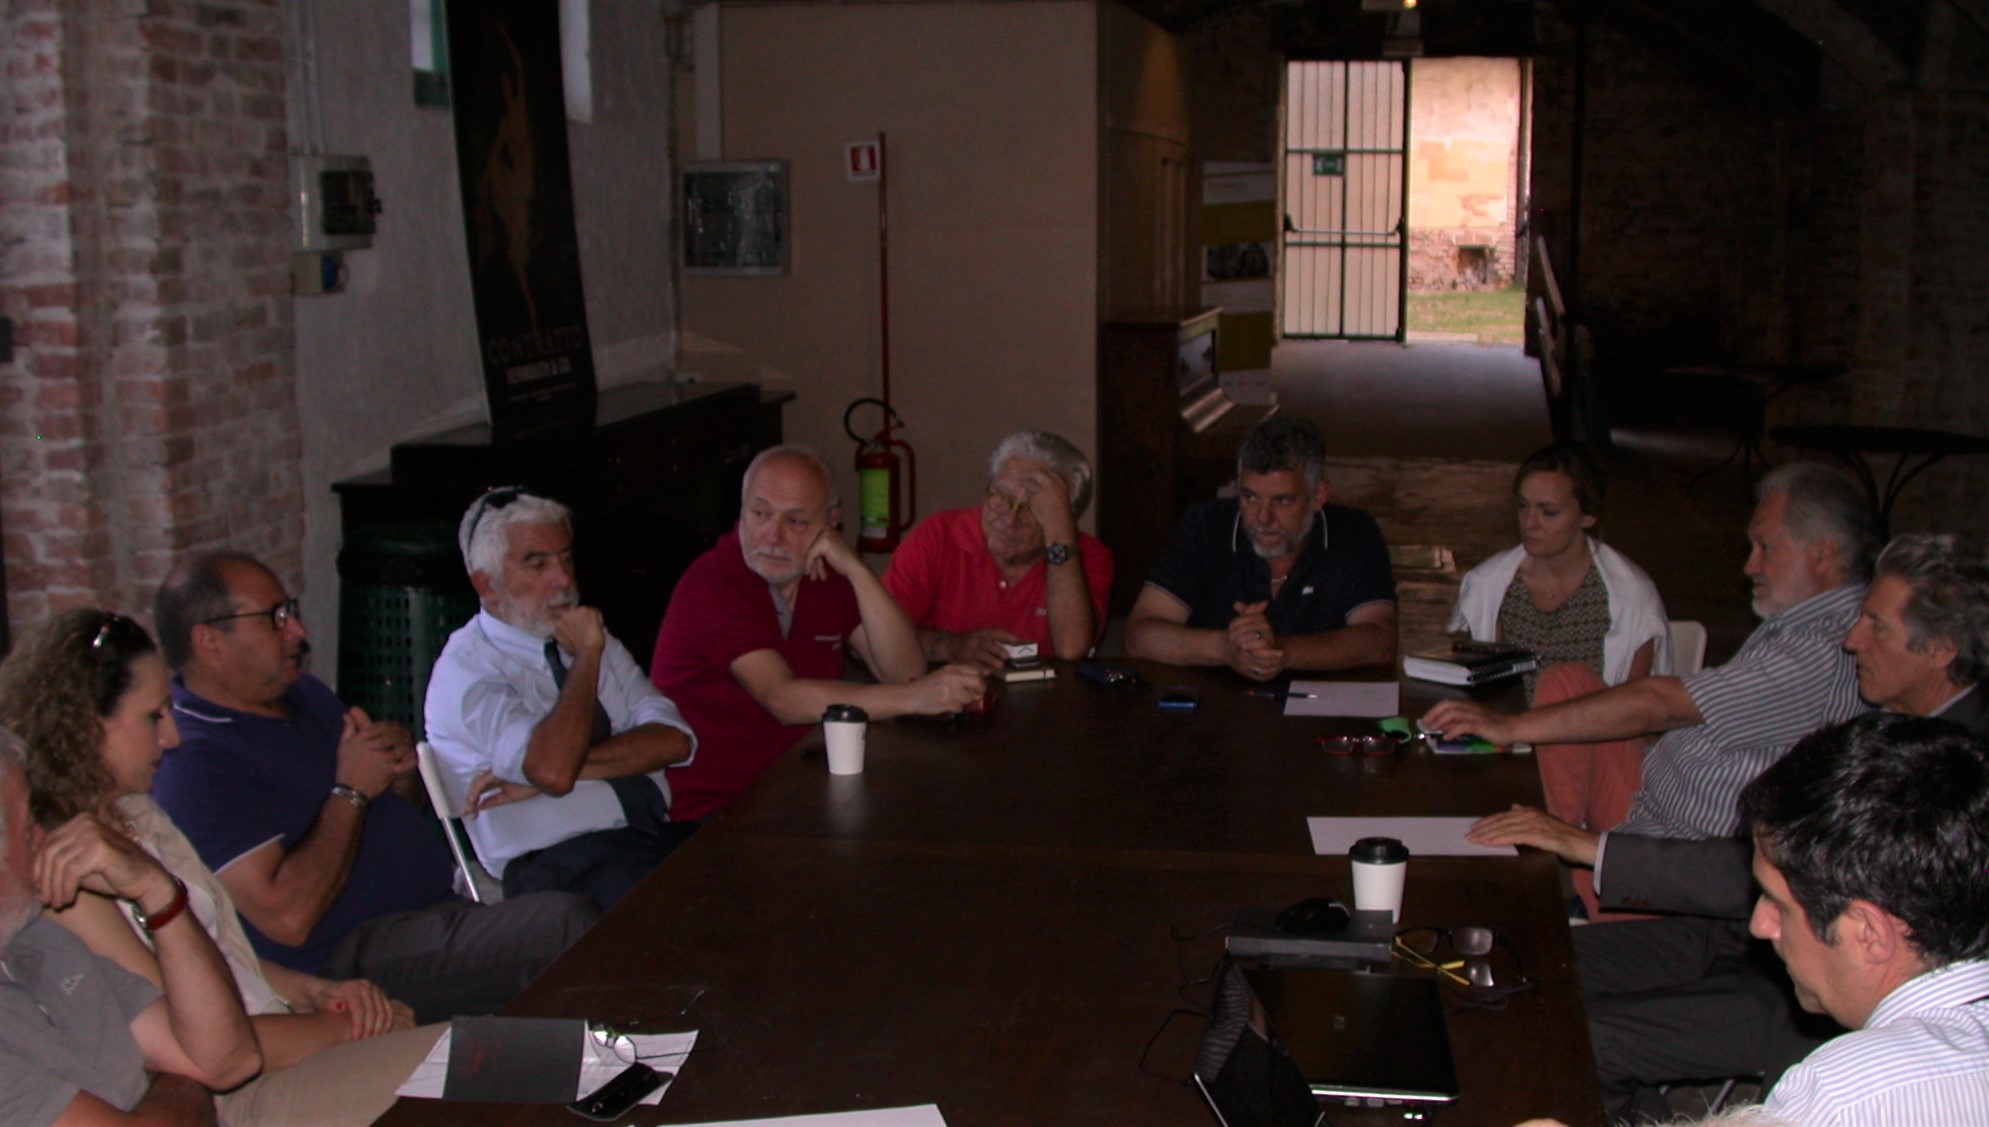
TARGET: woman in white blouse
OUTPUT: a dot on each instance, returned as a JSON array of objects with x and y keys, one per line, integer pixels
[
  {"x": 1558, "y": 493},
  {"x": 1594, "y": 618}
]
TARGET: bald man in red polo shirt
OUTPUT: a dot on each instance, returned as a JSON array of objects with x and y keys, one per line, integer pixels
[{"x": 751, "y": 649}]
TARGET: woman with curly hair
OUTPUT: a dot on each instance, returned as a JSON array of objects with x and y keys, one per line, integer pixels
[{"x": 89, "y": 695}]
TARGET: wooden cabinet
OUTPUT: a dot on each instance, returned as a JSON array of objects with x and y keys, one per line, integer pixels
[{"x": 652, "y": 478}]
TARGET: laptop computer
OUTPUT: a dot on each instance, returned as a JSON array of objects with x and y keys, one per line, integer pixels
[
  {"x": 1372, "y": 1036},
  {"x": 1243, "y": 1072}
]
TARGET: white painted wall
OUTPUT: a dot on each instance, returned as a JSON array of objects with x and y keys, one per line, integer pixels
[
  {"x": 395, "y": 356},
  {"x": 992, "y": 114}
]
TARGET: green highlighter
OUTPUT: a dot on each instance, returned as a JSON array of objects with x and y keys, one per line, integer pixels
[{"x": 1399, "y": 727}]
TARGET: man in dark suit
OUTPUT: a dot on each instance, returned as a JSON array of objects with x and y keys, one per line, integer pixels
[{"x": 1685, "y": 996}]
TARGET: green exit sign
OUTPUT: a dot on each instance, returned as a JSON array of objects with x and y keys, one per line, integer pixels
[{"x": 1329, "y": 164}]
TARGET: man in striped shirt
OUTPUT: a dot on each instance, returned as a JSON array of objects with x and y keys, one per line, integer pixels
[{"x": 1812, "y": 541}]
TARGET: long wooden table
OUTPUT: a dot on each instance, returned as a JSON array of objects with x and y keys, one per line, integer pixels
[{"x": 1003, "y": 915}]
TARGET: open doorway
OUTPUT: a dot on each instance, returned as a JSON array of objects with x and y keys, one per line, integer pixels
[{"x": 1405, "y": 196}]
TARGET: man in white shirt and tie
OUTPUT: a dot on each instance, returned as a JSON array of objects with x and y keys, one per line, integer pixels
[{"x": 544, "y": 720}]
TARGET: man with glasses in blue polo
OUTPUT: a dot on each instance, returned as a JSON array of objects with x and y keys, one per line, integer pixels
[{"x": 290, "y": 797}]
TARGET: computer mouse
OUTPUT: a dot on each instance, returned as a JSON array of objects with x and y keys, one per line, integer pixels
[{"x": 1313, "y": 916}]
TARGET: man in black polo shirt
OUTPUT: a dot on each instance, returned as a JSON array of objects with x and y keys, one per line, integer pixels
[{"x": 1274, "y": 579}]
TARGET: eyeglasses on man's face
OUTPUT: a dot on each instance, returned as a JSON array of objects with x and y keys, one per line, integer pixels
[
  {"x": 279, "y": 616},
  {"x": 1002, "y": 504}
]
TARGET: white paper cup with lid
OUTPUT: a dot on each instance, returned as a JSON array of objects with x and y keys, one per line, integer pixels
[
  {"x": 1380, "y": 866},
  {"x": 844, "y": 727}
]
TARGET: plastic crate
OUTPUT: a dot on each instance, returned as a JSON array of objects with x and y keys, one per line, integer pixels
[{"x": 402, "y": 592}]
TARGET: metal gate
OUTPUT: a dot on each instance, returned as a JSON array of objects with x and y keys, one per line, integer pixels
[{"x": 1346, "y": 191}]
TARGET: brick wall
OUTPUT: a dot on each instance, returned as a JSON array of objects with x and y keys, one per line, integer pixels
[
  {"x": 1442, "y": 259},
  {"x": 1744, "y": 205},
  {"x": 1942, "y": 328},
  {"x": 48, "y": 404},
  {"x": 1824, "y": 230},
  {"x": 1687, "y": 174},
  {"x": 143, "y": 253}
]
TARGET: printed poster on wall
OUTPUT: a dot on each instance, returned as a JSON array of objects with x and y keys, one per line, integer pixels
[
  {"x": 1239, "y": 235},
  {"x": 511, "y": 155}
]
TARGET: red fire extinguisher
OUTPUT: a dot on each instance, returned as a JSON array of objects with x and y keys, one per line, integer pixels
[{"x": 877, "y": 465}]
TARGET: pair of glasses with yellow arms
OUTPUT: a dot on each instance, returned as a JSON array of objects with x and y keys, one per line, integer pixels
[{"x": 1468, "y": 958}]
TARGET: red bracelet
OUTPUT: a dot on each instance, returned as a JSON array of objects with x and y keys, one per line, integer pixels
[{"x": 153, "y": 921}]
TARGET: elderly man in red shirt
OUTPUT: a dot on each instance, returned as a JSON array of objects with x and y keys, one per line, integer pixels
[
  {"x": 751, "y": 649},
  {"x": 1012, "y": 569}
]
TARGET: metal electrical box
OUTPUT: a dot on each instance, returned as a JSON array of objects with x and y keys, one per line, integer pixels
[
  {"x": 336, "y": 205},
  {"x": 736, "y": 218}
]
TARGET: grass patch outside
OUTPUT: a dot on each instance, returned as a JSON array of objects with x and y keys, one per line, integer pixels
[{"x": 1492, "y": 316}]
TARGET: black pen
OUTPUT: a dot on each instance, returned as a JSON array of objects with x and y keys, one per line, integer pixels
[{"x": 1282, "y": 694}]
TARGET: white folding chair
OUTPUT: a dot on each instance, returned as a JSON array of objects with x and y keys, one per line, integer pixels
[
  {"x": 1688, "y": 646},
  {"x": 475, "y": 883}
]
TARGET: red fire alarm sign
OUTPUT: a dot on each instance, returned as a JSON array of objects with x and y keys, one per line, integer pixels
[{"x": 862, "y": 160}]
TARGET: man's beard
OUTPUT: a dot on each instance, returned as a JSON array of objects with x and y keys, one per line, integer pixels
[
  {"x": 1290, "y": 545},
  {"x": 541, "y": 620},
  {"x": 777, "y": 573},
  {"x": 1760, "y": 599}
]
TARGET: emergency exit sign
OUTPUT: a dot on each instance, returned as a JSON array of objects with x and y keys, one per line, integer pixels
[{"x": 1329, "y": 164}]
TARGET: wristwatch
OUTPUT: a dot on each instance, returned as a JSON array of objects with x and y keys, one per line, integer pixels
[
  {"x": 1057, "y": 554},
  {"x": 351, "y": 795}
]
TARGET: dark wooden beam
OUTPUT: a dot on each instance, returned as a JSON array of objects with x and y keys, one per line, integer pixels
[
  {"x": 1977, "y": 10},
  {"x": 1844, "y": 38}
]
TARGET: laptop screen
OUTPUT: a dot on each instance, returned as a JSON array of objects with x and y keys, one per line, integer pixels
[{"x": 1353, "y": 1034}]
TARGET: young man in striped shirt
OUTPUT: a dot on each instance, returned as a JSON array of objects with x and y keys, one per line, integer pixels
[{"x": 1871, "y": 849}]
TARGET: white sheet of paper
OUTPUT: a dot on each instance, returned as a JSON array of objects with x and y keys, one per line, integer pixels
[
  {"x": 1425, "y": 837},
  {"x": 664, "y": 1052},
  {"x": 925, "y": 1116},
  {"x": 1370, "y": 699}
]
